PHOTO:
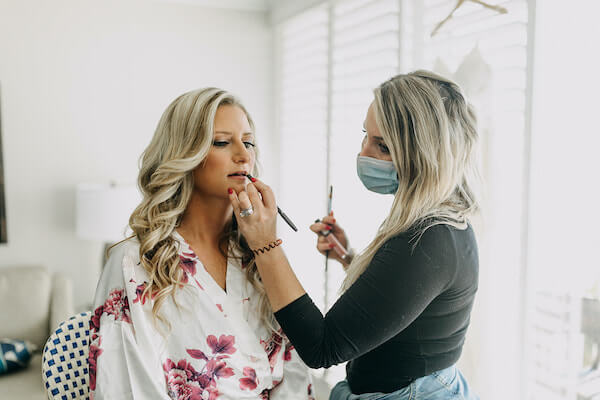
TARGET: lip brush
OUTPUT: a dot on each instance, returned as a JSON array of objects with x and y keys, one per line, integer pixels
[
  {"x": 285, "y": 217},
  {"x": 328, "y": 213}
]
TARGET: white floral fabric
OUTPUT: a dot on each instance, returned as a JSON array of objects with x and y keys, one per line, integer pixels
[{"x": 217, "y": 347}]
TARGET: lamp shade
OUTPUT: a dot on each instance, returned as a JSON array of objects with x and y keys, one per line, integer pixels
[{"x": 103, "y": 211}]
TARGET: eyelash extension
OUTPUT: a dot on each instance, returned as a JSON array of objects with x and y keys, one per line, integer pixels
[{"x": 384, "y": 148}]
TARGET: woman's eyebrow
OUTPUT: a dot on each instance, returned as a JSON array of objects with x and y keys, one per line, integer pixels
[
  {"x": 374, "y": 137},
  {"x": 231, "y": 134}
]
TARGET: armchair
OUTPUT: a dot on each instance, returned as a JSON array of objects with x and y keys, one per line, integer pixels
[{"x": 32, "y": 304}]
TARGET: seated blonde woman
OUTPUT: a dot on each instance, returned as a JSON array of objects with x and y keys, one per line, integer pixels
[{"x": 180, "y": 310}]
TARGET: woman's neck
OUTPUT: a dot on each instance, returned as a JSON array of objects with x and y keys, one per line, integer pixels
[{"x": 204, "y": 219}]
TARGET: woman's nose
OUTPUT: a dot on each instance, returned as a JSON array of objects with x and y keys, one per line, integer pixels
[{"x": 241, "y": 153}]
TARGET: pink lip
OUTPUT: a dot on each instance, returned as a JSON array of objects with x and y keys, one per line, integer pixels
[{"x": 237, "y": 177}]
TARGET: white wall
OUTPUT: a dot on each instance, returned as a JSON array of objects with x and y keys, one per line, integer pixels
[
  {"x": 565, "y": 190},
  {"x": 83, "y": 86},
  {"x": 565, "y": 146}
]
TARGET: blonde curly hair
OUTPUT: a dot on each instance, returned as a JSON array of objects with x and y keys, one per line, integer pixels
[{"x": 181, "y": 142}]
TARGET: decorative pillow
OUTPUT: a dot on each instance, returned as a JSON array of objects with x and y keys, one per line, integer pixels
[{"x": 14, "y": 354}]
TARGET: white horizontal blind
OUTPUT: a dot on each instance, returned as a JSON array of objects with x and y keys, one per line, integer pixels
[
  {"x": 364, "y": 54},
  {"x": 555, "y": 346},
  {"x": 302, "y": 53},
  {"x": 324, "y": 95},
  {"x": 365, "y": 50}
]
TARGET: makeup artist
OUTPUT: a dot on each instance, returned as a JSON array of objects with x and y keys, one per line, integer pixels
[{"x": 404, "y": 312}]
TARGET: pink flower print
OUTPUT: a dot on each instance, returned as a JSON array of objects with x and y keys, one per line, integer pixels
[
  {"x": 197, "y": 354},
  {"x": 117, "y": 305},
  {"x": 223, "y": 346},
  {"x": 189, "y": 254},
  {"x": 139, "y": 291},
  {"x": 205, "y": 380},
  {"x": 218, "y": 369},
  {"x": 95, "y": 320},
  {"x": 188, "y": 264},
  {"x": 287, "y": 355},
  {"x": 249, "y": 381},
  {"x": 272, "y": 348},
  {"x": 186, "y": 366},
  {"x": 182, "y": 381},
  {"x": 213, "y": 393},
  {"x": 95, "y": 352},
  {"x": 311, "y": 395},
  {"x": 220, "y": 307}
]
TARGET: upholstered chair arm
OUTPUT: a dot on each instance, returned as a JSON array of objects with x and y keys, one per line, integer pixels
[{"x": 61, "y": 300}]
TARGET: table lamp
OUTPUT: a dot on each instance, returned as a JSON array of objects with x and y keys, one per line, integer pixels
[{"x": 103, "y": 211}]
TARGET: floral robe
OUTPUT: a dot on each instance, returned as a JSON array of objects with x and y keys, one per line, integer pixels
[{"x": 217, "y": 347}]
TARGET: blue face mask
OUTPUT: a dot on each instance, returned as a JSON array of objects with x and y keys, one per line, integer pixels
[{"x": 378, "y": 176}]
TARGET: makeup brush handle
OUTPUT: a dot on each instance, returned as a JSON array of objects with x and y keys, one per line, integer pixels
[
  {"x": 287, "y": 219},
  {"x": 337, "y": 246}
]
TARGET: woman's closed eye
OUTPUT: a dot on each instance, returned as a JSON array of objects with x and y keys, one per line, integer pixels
[{"x": 220, "y": 143}]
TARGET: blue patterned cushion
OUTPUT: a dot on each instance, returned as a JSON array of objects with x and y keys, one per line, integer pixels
[{"x": 14, "y": 355}]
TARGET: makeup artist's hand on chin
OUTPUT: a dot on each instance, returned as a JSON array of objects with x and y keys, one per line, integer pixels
[{"x": 259, "y": 229}]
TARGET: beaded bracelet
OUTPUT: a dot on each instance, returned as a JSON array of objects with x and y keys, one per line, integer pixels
[{"x": 268, "y": 247}]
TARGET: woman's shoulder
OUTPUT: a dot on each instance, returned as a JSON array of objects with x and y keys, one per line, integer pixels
[
  {"x": 433, "y": 231},
  {"x": 438, "y": 236},
  {"x": 127, "y": 248},
  {"x": 123, "y": 258}
]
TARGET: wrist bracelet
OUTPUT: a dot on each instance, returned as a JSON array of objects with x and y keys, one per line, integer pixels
[{"x": 268, "y": 247}]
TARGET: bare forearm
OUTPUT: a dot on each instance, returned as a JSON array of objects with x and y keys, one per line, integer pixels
[{"x": 280, "y": 282}]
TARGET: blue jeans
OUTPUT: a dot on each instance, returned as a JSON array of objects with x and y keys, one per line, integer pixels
[{"x": 447, "y": 384}]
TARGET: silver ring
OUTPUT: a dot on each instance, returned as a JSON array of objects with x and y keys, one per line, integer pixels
[{"x": 246, "y": 212}]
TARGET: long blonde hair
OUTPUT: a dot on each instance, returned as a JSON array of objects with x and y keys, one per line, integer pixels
[
  {"x": 430, "y": 130},
  {"x": 181, "y": 142}
]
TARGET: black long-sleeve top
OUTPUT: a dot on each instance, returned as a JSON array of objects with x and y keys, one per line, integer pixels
[{"x": 405, "y": 317}]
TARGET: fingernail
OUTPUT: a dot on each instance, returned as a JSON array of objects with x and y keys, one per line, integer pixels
[
  {"x": 230, "y": 190},
  {"x": 334, "y": 220},
  {"x": 331, "y": 245},
  {"x": 328, "y": 227},
  {"x": 253, "y": 179}
]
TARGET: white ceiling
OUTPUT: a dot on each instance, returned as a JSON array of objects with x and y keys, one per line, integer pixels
[{"x": 277, "y": 9}]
